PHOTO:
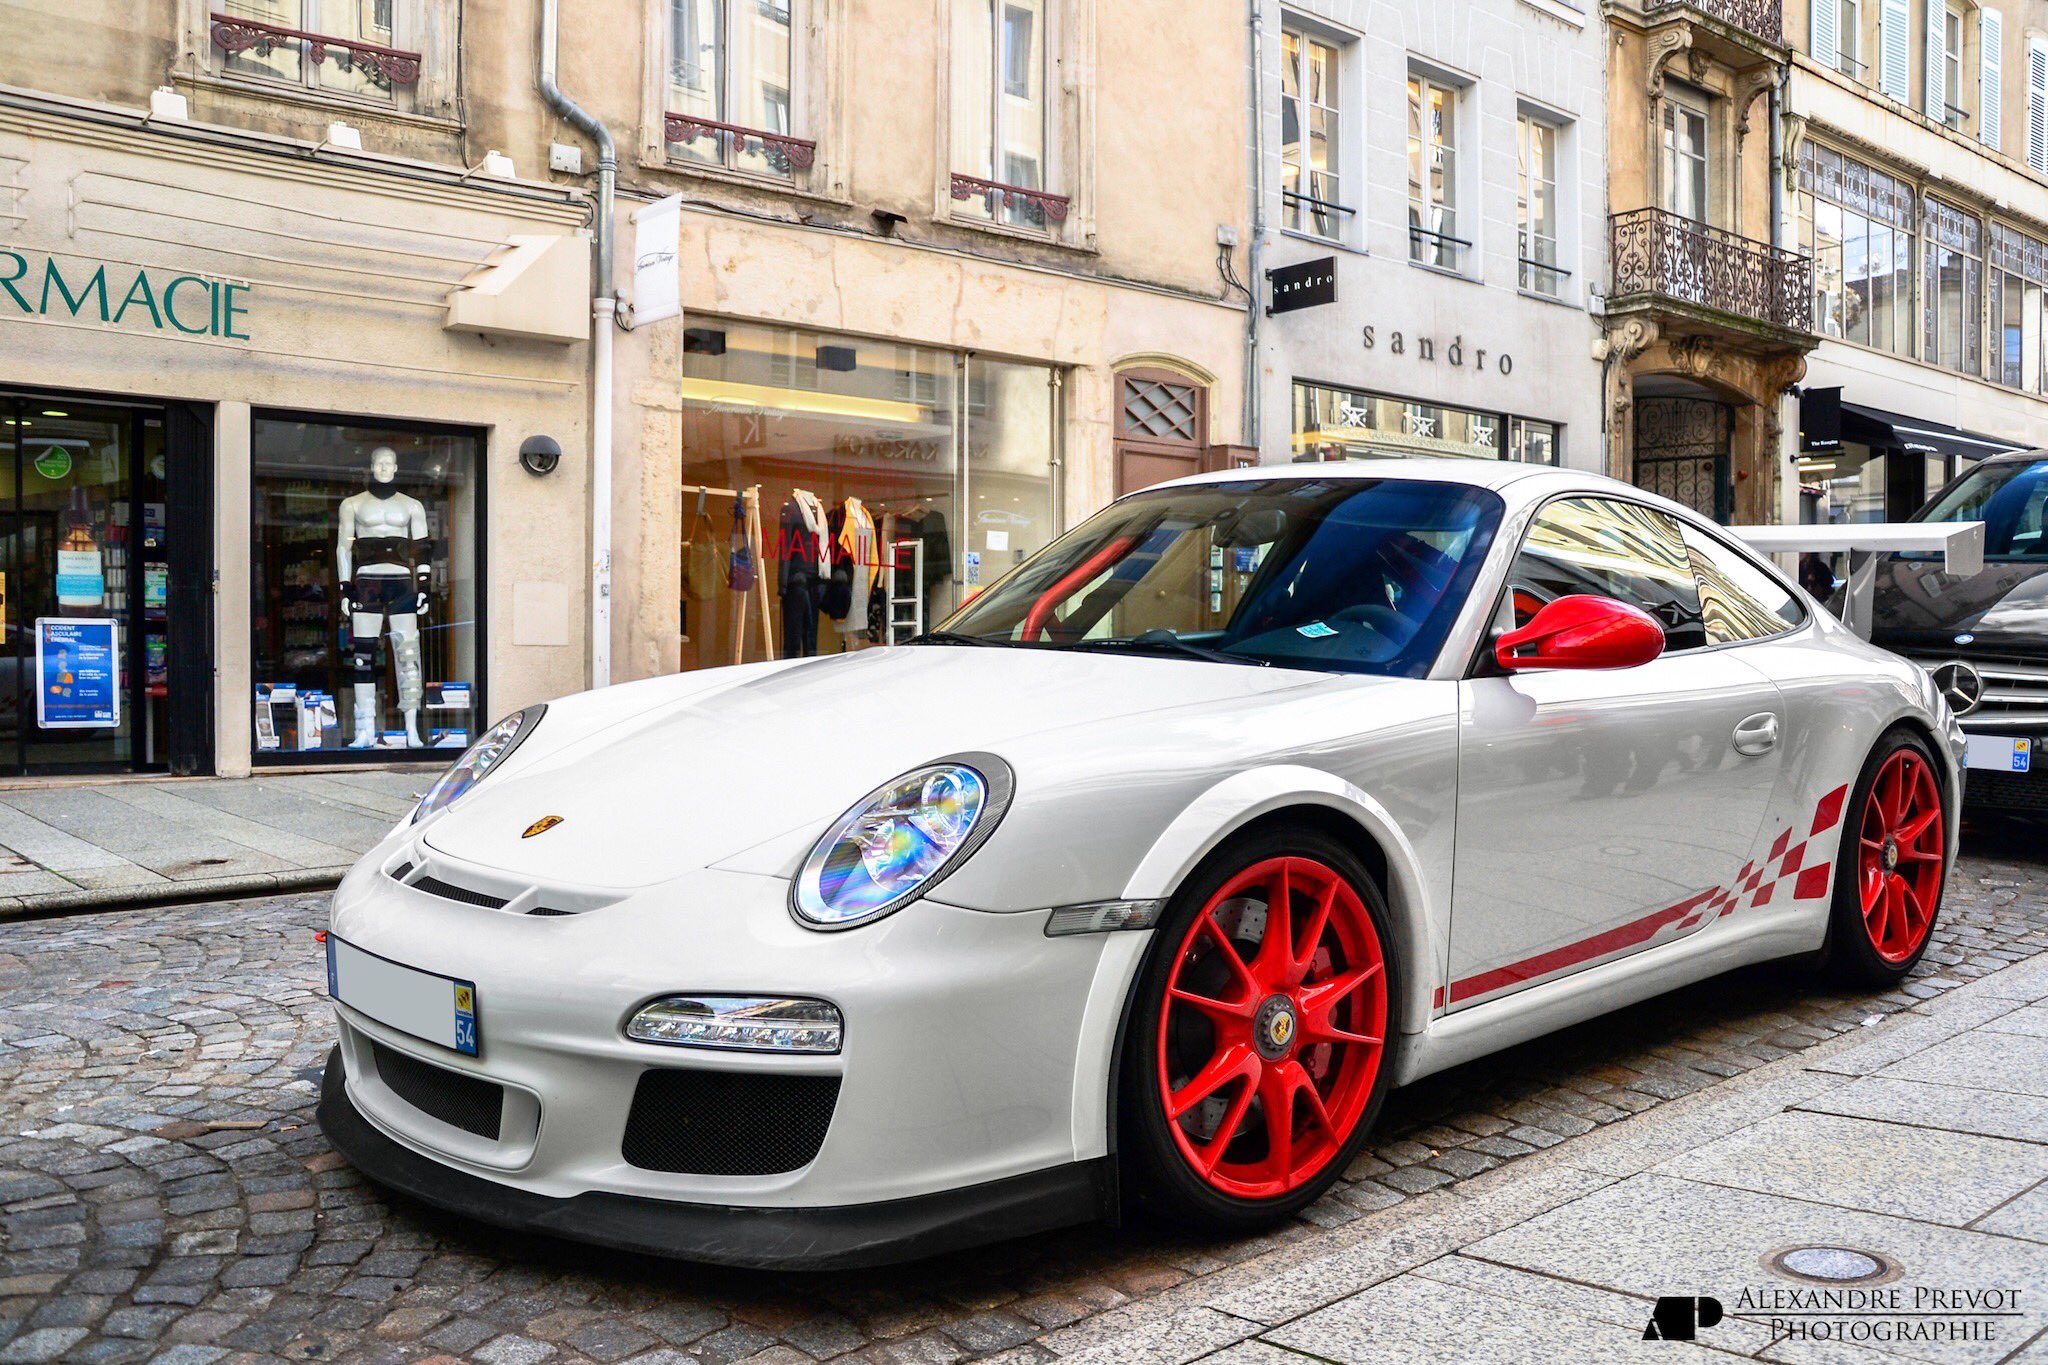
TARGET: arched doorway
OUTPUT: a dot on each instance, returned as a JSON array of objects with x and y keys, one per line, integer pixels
[{"x": 1684, "y": 446}]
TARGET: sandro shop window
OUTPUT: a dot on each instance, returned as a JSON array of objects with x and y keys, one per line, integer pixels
[{"x": 365, "y": 573}]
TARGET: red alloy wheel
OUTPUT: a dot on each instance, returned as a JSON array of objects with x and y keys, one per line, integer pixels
[
  {"x": 1901, "y": 849},
  {"x": 1272, "y": 1028}
]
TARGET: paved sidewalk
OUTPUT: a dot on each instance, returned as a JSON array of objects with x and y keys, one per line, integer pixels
[
  {"x": 77, "y": 846},
  {"x": 1921, "y": 1142}
]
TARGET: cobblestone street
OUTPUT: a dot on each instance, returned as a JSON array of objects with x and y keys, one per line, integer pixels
[{"x": 167, "y": 1195}]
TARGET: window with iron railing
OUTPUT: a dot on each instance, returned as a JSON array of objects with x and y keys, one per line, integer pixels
[
  {"x": 338, "y": 47},
  {"x": 728, "y": 101},
  {"x": 1538, "y": 220},
  {"x": 1311, "y": 182},
  {"x": 1003, "y": 134},
  {"x": 1433, "y": 196}
]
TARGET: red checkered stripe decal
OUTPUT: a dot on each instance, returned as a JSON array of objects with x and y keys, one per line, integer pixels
[{"x": 1756, "y": 885}]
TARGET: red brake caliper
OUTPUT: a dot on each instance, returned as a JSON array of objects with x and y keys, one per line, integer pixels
[
  {"x": 1272, "y": 1027},
  {"x": 1901, "y": 850}
]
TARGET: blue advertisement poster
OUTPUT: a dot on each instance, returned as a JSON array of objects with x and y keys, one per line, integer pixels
[{"x": 78, "y": 674}]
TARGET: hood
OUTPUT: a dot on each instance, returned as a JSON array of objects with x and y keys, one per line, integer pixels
[
  {"x": 1916, "y": 608},
  {"x": 767, "y": 750}
]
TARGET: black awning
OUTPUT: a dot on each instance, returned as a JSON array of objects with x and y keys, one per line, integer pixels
[{"x": 1876, "y": 427}]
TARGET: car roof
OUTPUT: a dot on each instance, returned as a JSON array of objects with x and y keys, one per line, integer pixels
[{"x": 1528, "y": 482}]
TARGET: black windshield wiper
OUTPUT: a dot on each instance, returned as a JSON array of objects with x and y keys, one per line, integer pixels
[
  {"x": 1163, "y": 640},
  {"x": 954, "y": 637}
]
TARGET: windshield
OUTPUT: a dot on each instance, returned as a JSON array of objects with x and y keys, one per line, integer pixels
[
  {"x": 1345, "y": 575},
  {"x": 2009, "y": 498}
]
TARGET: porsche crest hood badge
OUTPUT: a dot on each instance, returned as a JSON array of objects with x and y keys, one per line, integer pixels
[{"x": 541, "y": 826}]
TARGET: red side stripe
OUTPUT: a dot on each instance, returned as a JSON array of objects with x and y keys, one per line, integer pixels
[
  {"x": 1829, "y": 810},
  {"x": 1571, "y": 954}
]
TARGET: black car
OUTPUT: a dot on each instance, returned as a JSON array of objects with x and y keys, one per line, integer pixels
[{"x": 1984, "y": 638}]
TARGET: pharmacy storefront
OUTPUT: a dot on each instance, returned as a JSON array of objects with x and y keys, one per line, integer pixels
[{"x": 252, "y": 469}]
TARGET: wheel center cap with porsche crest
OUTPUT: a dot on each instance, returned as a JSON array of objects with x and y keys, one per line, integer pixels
[
  {"x": 1891, "y": 854},
  {"x": 1274, "y": 1029},
  {"x": 1961, "y": 687}
]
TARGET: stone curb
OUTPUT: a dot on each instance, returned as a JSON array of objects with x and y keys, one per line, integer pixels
[
  {"x": 155, "y": 894},
  {"x": 1234, "y": 1305}
]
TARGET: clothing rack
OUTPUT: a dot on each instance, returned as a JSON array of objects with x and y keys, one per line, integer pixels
[{"x": 750, "y": 502}]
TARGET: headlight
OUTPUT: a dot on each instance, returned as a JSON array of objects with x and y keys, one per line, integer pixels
[
  {"x": 901, "y": 840},
  {"x": 479, "y": 761}
]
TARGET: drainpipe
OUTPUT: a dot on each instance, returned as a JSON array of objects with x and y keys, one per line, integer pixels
[
  {"x": 1785, "y": 460},
  {"x": 1255, "y": 252},
  {"x": 604, "y": 305}
]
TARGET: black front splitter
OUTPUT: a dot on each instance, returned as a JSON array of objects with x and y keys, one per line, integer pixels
[{"x": 834, "y": 1238}]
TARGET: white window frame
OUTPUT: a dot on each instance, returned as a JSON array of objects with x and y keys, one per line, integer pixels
[
  {"x": 1849, "y": 42},
  {"x": 1529, "y": 276},
  {"x": 1955, "y": 36},
  {"x": 417, "y": 26},
  {"x": 1686, "y": 104},
  {"x": 1427, "y": 247},
  {"x": 1299, "y": 217}
]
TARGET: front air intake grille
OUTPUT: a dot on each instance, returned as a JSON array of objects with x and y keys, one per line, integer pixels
[
  {"x": 460, "y": 1101},
  {"x": 401, "y": 872},
  {"x": 2005, "y": 791},
  {"x": 434, "y": 886},
  {"x": 727, "y": 1122}
]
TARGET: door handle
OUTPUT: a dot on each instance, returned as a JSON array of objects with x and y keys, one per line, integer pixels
[{"x": 1758, "y": 734}]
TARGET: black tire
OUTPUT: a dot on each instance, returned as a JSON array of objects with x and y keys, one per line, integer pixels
[
  {"x": 1852, "y": 956},
  {"x": 1157, "y": 1179}
]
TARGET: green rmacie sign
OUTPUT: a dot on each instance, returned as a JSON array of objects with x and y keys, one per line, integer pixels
[{"x": 39, "y": 286}]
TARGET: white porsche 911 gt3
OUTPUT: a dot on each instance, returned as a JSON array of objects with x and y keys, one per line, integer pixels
[{"x": 1139, "y": 883}]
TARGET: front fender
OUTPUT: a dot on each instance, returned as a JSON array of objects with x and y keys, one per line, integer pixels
[{"x": 1421, "y": 924}]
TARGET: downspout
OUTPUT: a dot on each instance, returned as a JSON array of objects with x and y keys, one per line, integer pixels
[
  {"x": 604, "y": 305},
  {"x": 1255, "y": 250},
  {"x": 1786, "y": 461}
]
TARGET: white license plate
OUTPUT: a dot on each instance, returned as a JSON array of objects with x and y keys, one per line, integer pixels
[
  {"x": 1998, "y": 754},
  {"x": 437, "y": 1009}
]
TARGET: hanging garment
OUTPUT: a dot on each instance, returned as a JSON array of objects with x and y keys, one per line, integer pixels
[
  {"x": 802, "y": 552},
  {"x": 838, "y": 595},
  {"x": 857, "y": 537},
  {"x": 741, "y": 575},
  {"x": 703, "y": 571},
  {"x": 813, "y": 512}
]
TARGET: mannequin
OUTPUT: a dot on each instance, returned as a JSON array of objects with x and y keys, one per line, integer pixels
[{"x": 380, "y": 553}]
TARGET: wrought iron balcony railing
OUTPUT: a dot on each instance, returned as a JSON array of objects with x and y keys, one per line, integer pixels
[
  {"x": 784, "y": 153},
  {"x": 386, "y": 65},
  {"x": 1038, "y": 206},
  {"x": 1665, "y": 254},
  {"x": 1763, "y": 19}
]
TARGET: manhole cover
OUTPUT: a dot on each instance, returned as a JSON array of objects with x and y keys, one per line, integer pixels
[{"x": 1831, "y": 1265}]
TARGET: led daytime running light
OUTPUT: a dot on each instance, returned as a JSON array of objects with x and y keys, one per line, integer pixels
[{"x": 739, "y": 1023}]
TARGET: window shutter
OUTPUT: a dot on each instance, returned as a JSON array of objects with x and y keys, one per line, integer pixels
[
  {"x": 1824, "y": 35},
  {"x": 1895, "y": 24},
  {"x": 1990, "y": 77},
  {"x": 1937, "y": 44},
  {"x": 2037, "y": 104}
]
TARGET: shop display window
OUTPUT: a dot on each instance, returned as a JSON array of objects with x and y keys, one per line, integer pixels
[
  {"x": 1337, "y": 424},
  {"x": 841, "y": 493},
  {"x": 366, "y": 568}
]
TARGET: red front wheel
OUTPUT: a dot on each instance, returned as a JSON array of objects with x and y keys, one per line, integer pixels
[
  {"x": 1256, "y": 1056},
  {"x": 1894, "y": 860}
]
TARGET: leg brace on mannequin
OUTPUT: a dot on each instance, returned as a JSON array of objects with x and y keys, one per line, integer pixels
[
  {"x": 362, "y": 673},
  {"x": 406, "y": 657}
]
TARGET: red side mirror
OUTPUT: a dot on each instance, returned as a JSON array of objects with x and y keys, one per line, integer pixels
[{"x": 1582, "y": 632}]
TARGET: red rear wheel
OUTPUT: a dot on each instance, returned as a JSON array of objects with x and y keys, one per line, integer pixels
[
  {"x": 1266, "y": 1031},
  {"x": 1902, "y": 852},
  {"x": 1896, "y": 842}
]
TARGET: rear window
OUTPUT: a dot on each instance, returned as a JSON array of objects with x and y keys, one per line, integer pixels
[{"x": 2009, "y": 497}]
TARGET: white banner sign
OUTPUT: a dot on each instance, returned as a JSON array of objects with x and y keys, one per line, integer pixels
[{"x": 657, "y": 237}]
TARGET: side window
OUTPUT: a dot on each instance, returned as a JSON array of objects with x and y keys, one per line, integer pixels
[
  {"x": 1612, "y": 549},
  {"x": 1738, "y": 600}
]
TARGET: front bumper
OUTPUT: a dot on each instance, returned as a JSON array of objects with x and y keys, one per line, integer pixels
[
  {"x": 977, "y": 1050},
  {"x": 758, "y": 1238}
]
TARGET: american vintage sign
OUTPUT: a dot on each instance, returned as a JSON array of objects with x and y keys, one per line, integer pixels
[{"x": 118, "y": 295}]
